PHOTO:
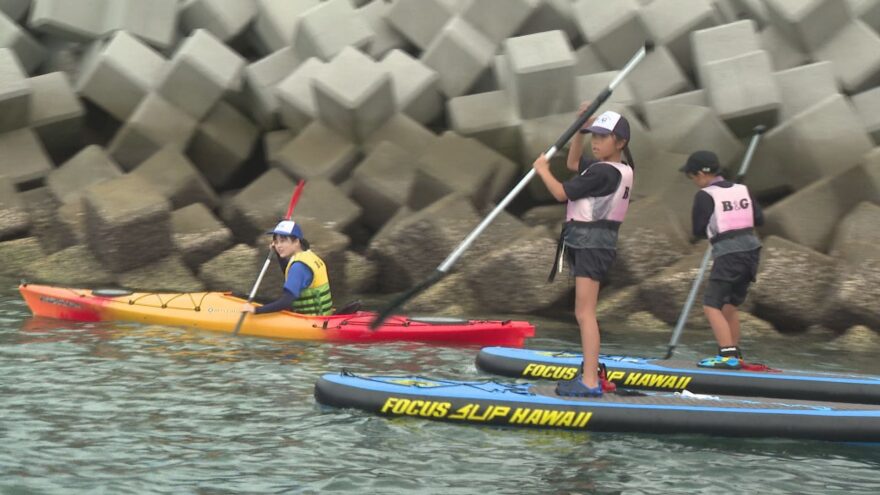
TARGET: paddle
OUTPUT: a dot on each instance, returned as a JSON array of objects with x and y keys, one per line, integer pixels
[
  {"x": 444, "y": 267},
  {"x": 682, "y": 318},
  {"x": 293, "y": 200}
]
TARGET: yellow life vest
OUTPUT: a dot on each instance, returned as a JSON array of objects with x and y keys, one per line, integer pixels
[{"x": 316, "y": 298}]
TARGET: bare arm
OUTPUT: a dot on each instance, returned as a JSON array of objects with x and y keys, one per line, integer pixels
[{"x": 542, "y": 168}]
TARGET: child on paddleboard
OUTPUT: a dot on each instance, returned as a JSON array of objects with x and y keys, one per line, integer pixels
[
  {"x": 726, "y": 214},
  {"x": 306, "y": 285},
  {"x": 598, "y": 197}
]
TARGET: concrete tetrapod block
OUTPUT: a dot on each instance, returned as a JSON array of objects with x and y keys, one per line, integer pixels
[
  {"x": 536, "y": 135},
  {"x": 200, "y": 72},
  {"x": 856, "y": 238},
  {"x": 154, "y": 124},
  {"x": 235, "y": 270},
  {"x": 489, "y": 118},
  {"x": 56, "y": 114},
  {"x": 296, "y": 99},
  {"x": 587, "y": 87},
  {"x": 222, "y": 144},
  {"x": 867, "y": 104},
  {"x": 651, "y": 239},
  {"x": 260, "y": 80},
  {"x": 420, "y": 21},
  {"x": 614, "y": 29},
  {"x": 353, "y": 95},
  {"x": 809, "y": 22},
  {"x": 385, "y": 36},
  {"x": 459, "y": 54},
  {"x": 499, "y": 19},
  {"x": 168, "y": 274},
  {"x": 276, "y": 21},
  {"x": 317, "y": 152},
  {"x": 17, "y": 254},
  {"x": 810, "y": 216},
  {"x": 784, "y": 53},
  {"x": 323, "y": 201},
  {"x": 550, "y": 15},
  {"x": 542, "y": 78},
  {"x": 22, "y": 157},
  {"x": 411, "y": 245},
  {"x": 262, "y": 202},
  {"x": 176, "y": 178},
  {"x": 83, "y": 20},
  {"x": 383, "y": 182},
  {"x": 415, "y": 86},
  {"x": 793, "y": 285},
  {"x": 154, "y": 22},
  {"x": 28, "y": 50},
  {"x": 801, "y": 87},
  {"x": 88, "y": 167},
  {"x": 524, "y": 289},
  {"x": 15, "y": 9},
  {"x": 743, "y": 92},
  {"x": 15, "y": 92},
  {"x": 74, "y": 266},
  {"x": 198, "y": 235},
  {"x": 587, "y": 61},
  {"x": 14, "y": 218},
  {"x": 802, "y": 143},
  {"x": 128, "y": 223},
  {"x": 869, "y": 12},
  {"x": 688, "y": 128},
  {"x": 117, "y": 74},
  {"x": 722, "y": 42},
  {"x": 664, "y": 293},
  {"x": 327, "y": 28},
  {"x": 670, "y": 23},
  {"x": 657, "y": 76},
  {"x": 402, "y": 131},
  {"x": 43, "y": 208},
  {"x": 854, "y": 297},
  {"x": 225, "y": 19},
  {"x": 855, "y": 54},
  {"x": 448, "y": 166}
]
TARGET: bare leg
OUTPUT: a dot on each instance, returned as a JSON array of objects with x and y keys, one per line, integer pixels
[
  {"x": 720, "y": 327},
  {"x": 731, "y": 315},
  {"x": 586, "y": 293}
]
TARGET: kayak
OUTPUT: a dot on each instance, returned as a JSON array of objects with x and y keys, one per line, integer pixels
[
  {"x": 537, "y": 405},
  {"x": 678, "y": 375},
  {"x": 218, "y": 311}
]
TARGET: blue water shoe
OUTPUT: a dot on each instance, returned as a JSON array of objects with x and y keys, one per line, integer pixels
[
  {"x": 721, "y": 362},
  {"x": 576, "y": 388}
]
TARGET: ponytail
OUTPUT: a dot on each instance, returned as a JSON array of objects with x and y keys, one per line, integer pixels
[{"x": 629, "y": 157}]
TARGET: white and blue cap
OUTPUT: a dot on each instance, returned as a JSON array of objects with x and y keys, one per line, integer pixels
[
  {"x": 288, "y": 228},
  {"x": 610, "y": 123}
]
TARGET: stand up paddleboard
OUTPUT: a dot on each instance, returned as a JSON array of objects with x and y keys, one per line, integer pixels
[
  {"x": 679, "y": 375},
  {"x": 537, "y": 405}
]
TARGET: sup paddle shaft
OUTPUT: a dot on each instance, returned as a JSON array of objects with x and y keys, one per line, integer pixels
[
  {"x": 450, "y": 260},
  {"x": 682, "y": 318},
  {"x": 293, "y": 200}
]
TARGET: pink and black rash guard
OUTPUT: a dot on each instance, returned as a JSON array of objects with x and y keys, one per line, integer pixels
[
  {"x": 726, "y": 214},
  {"x": 598, "y": 198}
]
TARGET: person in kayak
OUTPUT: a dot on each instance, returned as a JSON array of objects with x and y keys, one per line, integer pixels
[
  {"x": 726, "y": 214},
  {"x": 598, "y": 197},
  {"x": 306, "y": 285}
]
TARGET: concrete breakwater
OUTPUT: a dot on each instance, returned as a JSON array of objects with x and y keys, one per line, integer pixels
[{"x": 150, "y": 146}]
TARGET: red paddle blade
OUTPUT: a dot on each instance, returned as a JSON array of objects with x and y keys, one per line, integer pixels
[{"x": 295, "y": 198}]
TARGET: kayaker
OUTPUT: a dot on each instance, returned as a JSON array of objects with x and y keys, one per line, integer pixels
[
  {"x": 598, "y": 197},
  {"x": 726, "y": 214},
  {"x": 306, "y": 285}
]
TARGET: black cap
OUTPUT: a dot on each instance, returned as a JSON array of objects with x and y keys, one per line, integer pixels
[{"x": 701, "y": 161}]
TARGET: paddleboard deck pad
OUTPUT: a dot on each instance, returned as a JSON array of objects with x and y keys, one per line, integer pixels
[
  {"x": 537, "y": 405},
  {"x": 677, "y": 375}
]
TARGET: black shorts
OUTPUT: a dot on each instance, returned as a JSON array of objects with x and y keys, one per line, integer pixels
[
  {"x": 590, "y": 262},
  {"x": 731, "y": 276}
]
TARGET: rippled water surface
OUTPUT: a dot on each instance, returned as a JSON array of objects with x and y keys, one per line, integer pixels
[{"x": 123, "y": 408}]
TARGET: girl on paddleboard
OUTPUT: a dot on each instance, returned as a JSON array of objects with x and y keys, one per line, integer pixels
[{"x": 598, "y": 197}]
